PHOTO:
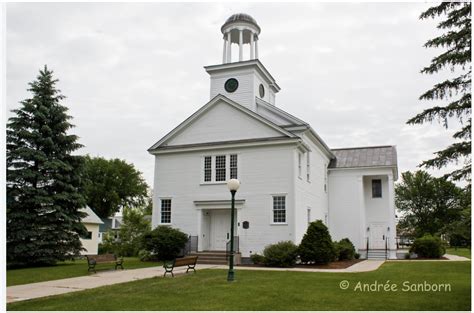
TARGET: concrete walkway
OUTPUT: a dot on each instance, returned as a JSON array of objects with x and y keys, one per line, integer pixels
[
  {"x": 61, "y": 286},
  {"x": 104, "y": 278}
]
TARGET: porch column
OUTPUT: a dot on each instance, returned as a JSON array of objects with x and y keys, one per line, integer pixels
[
  {"x": 362, "y": 215},
  {"x": 199, "y": 229},
  {"x": 391, "y": 211}
]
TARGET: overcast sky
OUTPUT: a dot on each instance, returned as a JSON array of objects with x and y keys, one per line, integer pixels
[{"x": 132, "y": 72}]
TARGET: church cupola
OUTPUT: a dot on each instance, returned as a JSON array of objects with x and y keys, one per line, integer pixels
[
  {"x": 240, "y": 29},
  {"x": 244, "y": 81}
]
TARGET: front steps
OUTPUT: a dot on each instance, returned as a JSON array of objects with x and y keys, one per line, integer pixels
[
  {"x": 210, "y": 257},
  {"x": 377, "y": 255}
]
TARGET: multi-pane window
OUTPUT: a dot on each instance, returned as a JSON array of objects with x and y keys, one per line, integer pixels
[
  {"x": 299, "y": 165},
  {"x": 220, "y": 168},
  {"x": 165, "y": 211},
  {"x": 233, "y": 166},
  {"x": 376, "y": 188},
  {"x": 88, "y": 236},
  {"x": 279, "y": 209},
  {"x": 207, "y": 168},
  {"x": 308, "y": 167}
]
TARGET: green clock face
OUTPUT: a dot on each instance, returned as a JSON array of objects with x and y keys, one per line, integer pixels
[{"x": 231, "y": 85}]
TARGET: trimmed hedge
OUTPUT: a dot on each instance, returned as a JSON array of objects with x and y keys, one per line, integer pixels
[
  {"x": 428, "y": 246},
  {"x": 345, "y": 249},
  {"x": 317, "y": 245},
  {"x": 165, "y": 242},
  {"x": 281, "y": 254}
]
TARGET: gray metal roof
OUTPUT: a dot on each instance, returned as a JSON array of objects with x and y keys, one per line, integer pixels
[{"x": 364, "y": 157}]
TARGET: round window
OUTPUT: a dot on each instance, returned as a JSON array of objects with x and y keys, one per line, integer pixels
[
  {"x": 261, "y": 90},
  {"x": 231, "y": 85}
]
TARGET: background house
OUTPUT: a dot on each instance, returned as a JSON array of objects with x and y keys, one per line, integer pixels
[{"x": 92, "y": 223}]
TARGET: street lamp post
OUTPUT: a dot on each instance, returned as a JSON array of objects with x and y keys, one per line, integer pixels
[{"x": 233, "y": 185}]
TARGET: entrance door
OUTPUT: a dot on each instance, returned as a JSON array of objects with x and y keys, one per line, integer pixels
[
  {"x": 220, "y": 229},
  {"x": 377, "y": 236}
]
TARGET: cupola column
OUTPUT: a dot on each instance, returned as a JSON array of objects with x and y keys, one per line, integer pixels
[
  {"x": 241, "y": 45},
  {"x": 224, "y": 53},
  {"x": 252, "y": 46},
  {"x": 229, "y": 49},
  {"x": 256, "y": 48}
]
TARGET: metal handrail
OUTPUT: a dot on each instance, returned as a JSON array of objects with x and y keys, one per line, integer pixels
[
  {"x": 236, "y": 246},
  {"x": 367, "y": 248}
]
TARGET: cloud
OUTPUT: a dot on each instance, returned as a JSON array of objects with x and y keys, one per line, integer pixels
[{"x": 132, "y": 71}]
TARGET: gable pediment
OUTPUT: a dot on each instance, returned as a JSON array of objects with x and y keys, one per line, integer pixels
[{"x": 221, "y": 120}]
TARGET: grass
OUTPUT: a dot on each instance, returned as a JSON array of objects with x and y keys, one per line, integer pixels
[
  {"x": 465, "y": 252},
  {"x": 265, "y": 290},
  {"x": 66, "y": 269}
]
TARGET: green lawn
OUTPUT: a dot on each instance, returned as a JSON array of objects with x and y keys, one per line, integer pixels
[
  {"x": 264, "y": 290},
  {"x": 465, "y": 252},
  {"x": 65, "y": 270}
]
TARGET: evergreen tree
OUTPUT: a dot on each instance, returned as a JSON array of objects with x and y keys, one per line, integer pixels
[
  {"x": 43, "y": 178},
  {"x": 316, "y": 245},
  {"x": 456, "y": 91}
]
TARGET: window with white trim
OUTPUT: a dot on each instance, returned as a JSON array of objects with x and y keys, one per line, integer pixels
[
  {"x": 309, "y": 215},
  {"x": 299, "y": 165},
  {"x": 376, "y": 188},
  {"x": 233, "y": 166},
  {"x": 279, "y": 209},
  {"x": 220, "y": 168},
  {"x": 308, "y": 167},
  {"x": 207, "y": 168},
  {"x": 165, "y": 211}
]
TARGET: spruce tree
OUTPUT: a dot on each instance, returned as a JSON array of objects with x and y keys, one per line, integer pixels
[
  {"x": 43, "y": 178},
  {"x": 456, "y": 92}
]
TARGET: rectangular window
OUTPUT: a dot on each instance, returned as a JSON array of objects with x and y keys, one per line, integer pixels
[
  {"x": 88, "y": 236},
  {"x": 220, "y": 168},
  {"x": 165, "y": 211},
  {"x": 309, "y": 216},
  {"x": 233, "y": 166},
  {"x": 279, "y": 209},
  {"x": 207, "y": 168},
  {"x": 376, "y": 188},
  {"x": 299, "y": 165},
  {"x": 308, "y": 167}
]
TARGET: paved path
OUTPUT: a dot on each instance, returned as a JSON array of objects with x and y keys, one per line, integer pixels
[
  {"x": 61, "y": 286},
  {"x": 103, "y": 278}
]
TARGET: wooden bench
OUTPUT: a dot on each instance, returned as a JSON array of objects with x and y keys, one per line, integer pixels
[
  {"x": 93, "y": 260},
  {"x": 190, "y": 261}
]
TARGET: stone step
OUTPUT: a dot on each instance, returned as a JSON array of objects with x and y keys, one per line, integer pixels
[{"x": 212, "y": 261}]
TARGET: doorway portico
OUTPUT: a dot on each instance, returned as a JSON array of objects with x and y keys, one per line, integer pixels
[{"x": 214, "y": 223}]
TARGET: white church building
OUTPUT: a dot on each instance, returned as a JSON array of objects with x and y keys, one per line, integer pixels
[{"x": 288, "y": 176}]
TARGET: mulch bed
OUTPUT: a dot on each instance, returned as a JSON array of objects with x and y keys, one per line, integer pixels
[
  {"x": 332, "y": 265},
  {"x": 420, "y": 259}
]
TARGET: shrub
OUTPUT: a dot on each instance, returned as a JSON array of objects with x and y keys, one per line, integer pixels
[
  {"x": 145, "y": 255},
  {"x": 164, "y": 241},
  {"x": 345, "y": 249},
  {"x": 257, "y": 258},
  {"x": 428, "y": 246},
  {"x": 357, "y": 256},
  {"x": 317, "y": 245},
  {"x": 281, "y": 254}
]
